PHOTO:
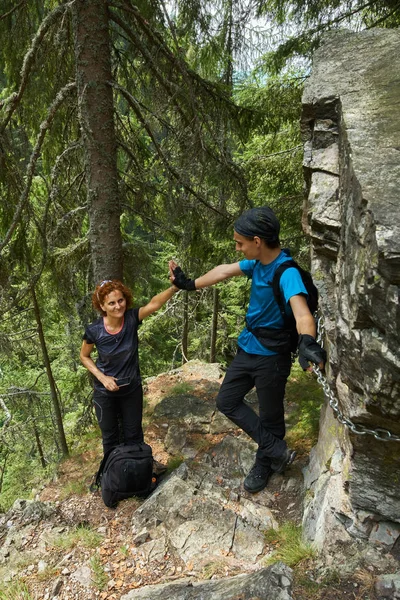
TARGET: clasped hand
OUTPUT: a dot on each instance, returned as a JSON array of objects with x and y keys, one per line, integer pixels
[{"x": 179, "y": 279}]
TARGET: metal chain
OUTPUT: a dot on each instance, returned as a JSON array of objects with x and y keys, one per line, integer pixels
[{"x": 380, "y": 434}]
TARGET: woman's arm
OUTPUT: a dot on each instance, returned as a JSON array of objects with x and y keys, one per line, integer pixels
[
  {"x": 216, "y": 274},
  {"x": 157, "y": 302},
  {"x": 87, "y": 361}
]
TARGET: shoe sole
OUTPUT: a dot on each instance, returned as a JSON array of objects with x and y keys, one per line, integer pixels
[
  {"x": 288, "y": 462},
  {"x": 254, "y": 491}
]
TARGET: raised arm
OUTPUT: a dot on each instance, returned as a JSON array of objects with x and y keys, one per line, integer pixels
[
  {"x": 157, "y": 302},
  {"x": 216, "y": 274}
]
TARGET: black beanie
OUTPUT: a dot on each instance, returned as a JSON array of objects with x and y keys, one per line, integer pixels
[{"x": 260, "y": 221}]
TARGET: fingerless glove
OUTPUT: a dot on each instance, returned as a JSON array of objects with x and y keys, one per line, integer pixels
[
  {"x": 182, "y": 282},
  {"x": 310, "y": 350}
]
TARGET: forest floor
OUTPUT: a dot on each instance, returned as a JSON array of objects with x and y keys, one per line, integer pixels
[{"x": 76, "y": 506}]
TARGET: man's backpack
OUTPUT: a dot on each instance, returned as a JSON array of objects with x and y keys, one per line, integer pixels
[
  {"x": 286, "y": 340},
  {"x": 312, "y": 298},
  {"x": 126, "y": 471}
]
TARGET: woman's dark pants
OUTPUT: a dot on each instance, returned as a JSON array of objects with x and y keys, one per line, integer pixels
[
  {"x": 268, "y": 374},
  {"x": 120, "y": 417}
]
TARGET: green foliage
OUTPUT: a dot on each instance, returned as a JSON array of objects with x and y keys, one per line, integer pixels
[
  {"x": 174, "y": 462},
  {"x": 300, "y": 24},
  {"x": 290, "y": 547},
  {"x": 78, "y": 488},
  {"x": 82, "y": 535},
  {"x": 124, "y": 550},
  {"x": 99, "y": 575},
  {"x": 306, "y": 396},
  {"x": 184, "y": 387},
  {"x": 14, "y": 590},
  {"x": 204, "y": 127}
]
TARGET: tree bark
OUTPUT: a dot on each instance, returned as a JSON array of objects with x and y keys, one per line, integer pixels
[
  {"x": 96, "y": 116},
  {"x": 38, "y": 443},
  {"x": 52, "y": 383},
  {"x": 185, "y": 329},
  {"x": 214, "y": 325}
]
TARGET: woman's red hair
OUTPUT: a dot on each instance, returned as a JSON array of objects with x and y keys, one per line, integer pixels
[{"x": 106, "y": 287}]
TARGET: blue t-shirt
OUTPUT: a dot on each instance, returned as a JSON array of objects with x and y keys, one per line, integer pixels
[
  {"x": 117, "y": 352},
  {"x": 263, "y": 309}
]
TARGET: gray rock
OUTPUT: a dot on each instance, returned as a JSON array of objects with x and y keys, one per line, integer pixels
[
  {"x": 273, "y": 582},
  {"x": 194, "y": 516},
  {"x": 351, "y": 131},
  {"x": 83, "y": 575},
  {"x": 388, "y": 586},
  {"x": 194, "y": 412}
]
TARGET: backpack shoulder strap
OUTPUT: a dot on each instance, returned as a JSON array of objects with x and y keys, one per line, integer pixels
[
  {"x": 276, "y": 284},
  {"x": 97, "y": 481}
]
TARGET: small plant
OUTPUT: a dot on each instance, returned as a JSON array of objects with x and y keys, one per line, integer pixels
[
  {"x": 290, "y": 547},
  {"x": 47, "y": 574},
  {"x": 174, "y": 462},
  {"x": 201, "y": 442},
  {"x": 99, "y": 575},
  {"x": 78, "y": 488},
  {"x": 80, "y": 535},
  {"x": 214, "y": 568},
  {"x": 182, "y": 388},
  {"x": 15, "y": 590},
  {"x": 124, "y": 550},
  {"x": 306, "y": 397}
]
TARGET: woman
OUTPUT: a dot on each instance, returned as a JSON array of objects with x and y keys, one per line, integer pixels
[{"x": 118, "y": 394}]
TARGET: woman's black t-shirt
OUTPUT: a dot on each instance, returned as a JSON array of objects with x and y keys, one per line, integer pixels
[{"x": 117, "y": 352}]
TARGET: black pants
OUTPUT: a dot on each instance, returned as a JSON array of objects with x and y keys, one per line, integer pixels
[
  {"x": 269, "y": 375},
  {"x": 120, "y": 417}
]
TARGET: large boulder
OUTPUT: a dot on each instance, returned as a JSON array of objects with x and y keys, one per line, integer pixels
[{"x": 351, "y": 132}]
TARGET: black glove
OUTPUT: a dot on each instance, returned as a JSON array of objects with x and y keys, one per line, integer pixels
[
  {"x": 182, "y": 282},
  {"x": 310, "y": 350}
]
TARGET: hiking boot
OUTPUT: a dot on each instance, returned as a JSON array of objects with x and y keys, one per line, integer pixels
[
  {"x": 278, "y": 465},
  {"x": 257, "y": 478}
]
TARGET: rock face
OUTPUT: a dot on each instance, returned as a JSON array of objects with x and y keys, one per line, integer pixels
[
  {"x": 273, "y": 582},
  {"x": 351, "y": 133}
]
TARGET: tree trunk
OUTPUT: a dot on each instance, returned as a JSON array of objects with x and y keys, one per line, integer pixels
[
  {"x": 185, "y": 330},
  {"x": 214, "y": 325},
  {"x": 39, "y": 445},
  {"x": 3, "y": 469},
  {"x": 96, "y": 116},
  {"x": 52, "y": 383}
]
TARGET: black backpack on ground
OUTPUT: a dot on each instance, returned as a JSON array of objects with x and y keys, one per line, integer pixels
[
  {"x": 286, "y": 339},
  {"x": 126, "y": 471}
]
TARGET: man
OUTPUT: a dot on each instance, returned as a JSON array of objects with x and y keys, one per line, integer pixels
[{"x": 256, "y": 234}]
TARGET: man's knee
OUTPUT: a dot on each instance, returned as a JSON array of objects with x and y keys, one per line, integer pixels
[
  {"x": 226, "y": 403},
  {"x": 221, "y": 403}
]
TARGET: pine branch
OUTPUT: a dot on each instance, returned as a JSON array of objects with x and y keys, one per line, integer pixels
[
  {"x": 385, "y": 17},
  {"x": 15, "y": 98},
  {"x": 176, "y": 175},
  {"x": 212, "y": 89},
  {"x": 10, "y": 12},
  {"x": 44, "y": 126},
  {"x": 170, "y": 87},
  {"x": 7, "y": 412},
  {"x": 189, "y": 77},
  {"x": 264, "y": 157}
]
